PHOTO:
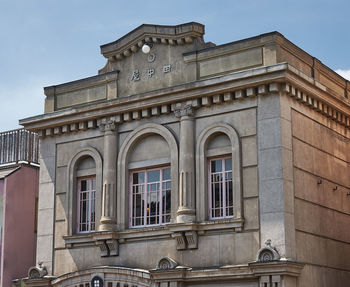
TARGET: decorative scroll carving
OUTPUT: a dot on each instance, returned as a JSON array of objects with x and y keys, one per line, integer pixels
[
  {"x": 166, "y": 263},
  {"x": 267, "y": 253},
  {"x": 37, "y": 272}
]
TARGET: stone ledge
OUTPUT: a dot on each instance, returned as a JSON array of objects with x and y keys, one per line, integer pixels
[{"x": 139, "y": 234}]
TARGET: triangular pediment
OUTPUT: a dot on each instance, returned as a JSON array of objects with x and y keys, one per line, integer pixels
[{"x": 147, "y": 33}]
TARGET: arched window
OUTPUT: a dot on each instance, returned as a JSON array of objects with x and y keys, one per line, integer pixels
[
  {"x": 148, "y": 165},
  {"x": 84, "y": 191},
  {"x": 86, "y": 195},
  {"x": 218, "y": 181}
]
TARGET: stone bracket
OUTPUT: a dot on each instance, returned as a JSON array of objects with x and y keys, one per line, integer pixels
[
  {"x": 192, "y": 239},
  {"x": 108, "y": 243},
  {"x": 108, "y": 247},
  {"x": 186, "y": 240}
]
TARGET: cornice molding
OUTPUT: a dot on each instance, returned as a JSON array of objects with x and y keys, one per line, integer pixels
[
  {"x": 156, "y": 34},
  {"x": 281, "y": 78}
]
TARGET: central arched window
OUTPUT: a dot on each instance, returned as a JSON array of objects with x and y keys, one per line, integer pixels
[
  {"x": 150, "y": 196},
  {"x": 147, "y": 178}
]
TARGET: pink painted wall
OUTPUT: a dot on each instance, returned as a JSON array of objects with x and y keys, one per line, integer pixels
[
  {"x": 19, "y": 239},
  {"x": 1, "y": 215}
]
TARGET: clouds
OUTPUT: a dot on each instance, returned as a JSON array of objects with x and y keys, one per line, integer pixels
[{"x": 344, "y": 73}]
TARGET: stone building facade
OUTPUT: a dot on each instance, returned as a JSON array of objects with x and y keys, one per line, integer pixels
[{"x": 183, "y": 163}]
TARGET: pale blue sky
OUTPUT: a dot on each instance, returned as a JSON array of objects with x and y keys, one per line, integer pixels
[{"x": 47, "y": 42}]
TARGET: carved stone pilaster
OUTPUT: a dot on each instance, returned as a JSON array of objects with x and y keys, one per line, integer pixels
[
  {"x": 186, "y": 210},
  {"x": 108, "y": 214}
]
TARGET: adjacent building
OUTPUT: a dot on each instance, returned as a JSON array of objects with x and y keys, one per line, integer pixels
[
  {"x": 183, "y": 163},
  {"x": 19, "y": 185}
]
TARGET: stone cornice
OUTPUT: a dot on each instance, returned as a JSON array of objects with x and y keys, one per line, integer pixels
[
  {"x": 159, "y": 34},
  {"x": 159, "y": 101},
  {"x": 81, "y": 84},
  {"x": 228, "y": 88}
]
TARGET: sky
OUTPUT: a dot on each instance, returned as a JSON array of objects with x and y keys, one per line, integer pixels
[{"x": 49, "y": 42}]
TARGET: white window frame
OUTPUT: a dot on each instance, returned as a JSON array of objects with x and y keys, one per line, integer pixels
[
  {"x": 223, "y": 186},
  {"x": 144, "y": 216},
  {"x": 91, "y": 205}
]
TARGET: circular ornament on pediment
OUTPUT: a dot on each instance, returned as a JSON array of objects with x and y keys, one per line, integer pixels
[
  {"x": 266, "y": 256},
  {"x": 166, "y": 263},
  {"x": 151, "y": 57}
]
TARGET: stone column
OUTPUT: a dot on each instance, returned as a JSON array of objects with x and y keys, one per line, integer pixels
[
  {"x": 108, "y": 215},
  {"x": 186, "y": 211}
]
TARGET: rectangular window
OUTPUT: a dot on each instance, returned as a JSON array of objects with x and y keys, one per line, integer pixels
[
  {"x": 220, "y": 188},
  {"x": 150, "y": 197},
  {"x": 86, "y": 204}
]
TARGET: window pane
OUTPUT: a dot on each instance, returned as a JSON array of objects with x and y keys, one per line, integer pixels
[
  {"x": 153, "y": 175},
  {"x": 83, "y": 185},
  {"x": 166, "y": 173},
  {"x": 138, "y": 177},
  {"x": 138, "y": 205},
  {"x": 152, "y": 191},
  {"x": 216, "y": 165},
  {"x": 221, "y": 193},
  {"x": 228, "y": 164},
  {"x": 86, "y": 200}
]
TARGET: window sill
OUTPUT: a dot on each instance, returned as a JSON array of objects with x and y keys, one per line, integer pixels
[{"x": 155, "y": 232}]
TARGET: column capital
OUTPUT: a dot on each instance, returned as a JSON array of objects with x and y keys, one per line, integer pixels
[
  {"x": 185, "y": 109},
  {"x": 109, "y": 126}
]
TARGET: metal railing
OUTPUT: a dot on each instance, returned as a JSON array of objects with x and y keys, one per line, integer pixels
[{"x": 17, "y": 146}]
